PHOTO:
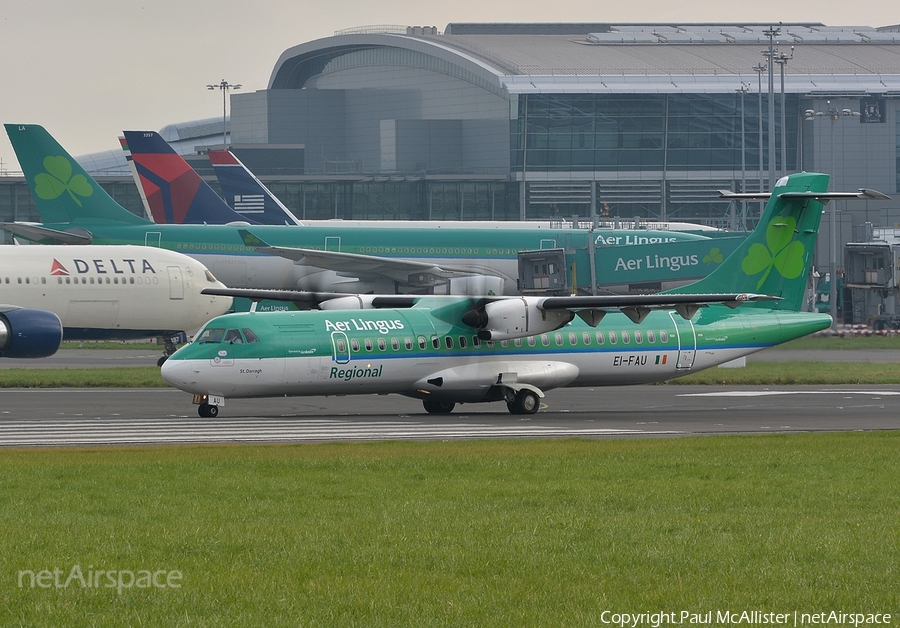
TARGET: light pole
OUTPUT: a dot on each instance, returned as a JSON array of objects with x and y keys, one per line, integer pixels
[
  {"x": 743, "y": 91},
  {"x": 834, "y": 114},
  {"x": 769, "y": 53},
  {"x": 759, "y": 68},
  {"x": 224, "y": 86},
  {"x": 781, "y": 59}
]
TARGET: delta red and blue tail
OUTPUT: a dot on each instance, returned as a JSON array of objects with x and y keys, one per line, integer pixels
[{"x": 174, "y": 192}]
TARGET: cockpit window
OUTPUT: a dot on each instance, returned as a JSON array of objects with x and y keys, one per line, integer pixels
[
  {"x": 250, "y": 336},
  {"x": 212, "y": 334},
  {"x": 234, "y": 337}
]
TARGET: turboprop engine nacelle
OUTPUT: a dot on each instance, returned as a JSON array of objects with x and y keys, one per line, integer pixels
[
  {"x": 349, "y": 302},
  {"x": 507, "y": 319}
]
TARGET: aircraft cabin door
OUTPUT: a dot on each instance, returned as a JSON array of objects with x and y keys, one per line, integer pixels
[
  {"x": 176, "y": 283},
  {"x": 686, "y": 336},
  {"x": 341, "y": 347}
]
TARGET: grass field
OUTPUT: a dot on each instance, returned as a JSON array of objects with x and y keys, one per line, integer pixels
[{"x": 522, "y": 533}]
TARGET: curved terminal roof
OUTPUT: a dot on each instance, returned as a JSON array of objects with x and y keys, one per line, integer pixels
[{"x": 622, "y": 58}]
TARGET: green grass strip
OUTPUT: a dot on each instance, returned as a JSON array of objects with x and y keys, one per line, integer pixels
[
  {"x": 507, "y": 533},
  {"x": 128, "y": 377},
  {"x": 797, "y": 373}
]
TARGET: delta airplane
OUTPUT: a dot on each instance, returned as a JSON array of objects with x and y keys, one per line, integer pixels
[
  {"x": 475, "y": 261},
  {"x": 101, "y": 292},
  {"x": 450, "y": 350}
]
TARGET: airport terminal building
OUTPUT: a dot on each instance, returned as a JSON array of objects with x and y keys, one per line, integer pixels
[{"x": 535, "y": 121}]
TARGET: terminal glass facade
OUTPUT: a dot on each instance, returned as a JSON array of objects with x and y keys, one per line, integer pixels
[{"x": 645, "y": 132}]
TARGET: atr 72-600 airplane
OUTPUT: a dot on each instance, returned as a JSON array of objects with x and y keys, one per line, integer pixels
[
  {"x": 103, "y": 292},
  {"x": 449, "y": 350},
  {"x": 75, "y": 210}
]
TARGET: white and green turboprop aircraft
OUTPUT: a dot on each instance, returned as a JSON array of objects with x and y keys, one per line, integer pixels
[
  {"x": 449, "y": 350},
  {"x": 331, "y": 256}
]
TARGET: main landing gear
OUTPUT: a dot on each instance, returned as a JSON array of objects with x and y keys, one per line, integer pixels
[
  {"x": 524, "y": 401},
  {"x": 437, "y": 406}
]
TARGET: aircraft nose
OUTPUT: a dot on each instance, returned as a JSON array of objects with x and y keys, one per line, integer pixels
[{"x": 177, "y": 373}]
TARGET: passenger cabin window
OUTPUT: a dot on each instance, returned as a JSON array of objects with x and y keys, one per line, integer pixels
[
  {"x": 639, "y": 337},
  {"x": 586, "y": 338},
  {"x": 354, "y": 345},
  {"x": 600, "y": 338},
  {"x": 663, "y": 336},
  {"x": 368, "y": 344},
  {"x": 395, "y": 344},
  {"x": 408, "y": 343},
  {"x": 651, "y": 337},
  {"x": 612, "y": 338},
  {"x": 625, "y": 338}
]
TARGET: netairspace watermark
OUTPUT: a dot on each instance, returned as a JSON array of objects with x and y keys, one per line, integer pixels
[
  {"x": 739, "y": 618},
  {"x": 119, "y": 579}
]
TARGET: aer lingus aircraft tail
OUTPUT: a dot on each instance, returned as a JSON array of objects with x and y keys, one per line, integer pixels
[
  {"x": 62, "y": 190},
  {"x": 173, "y": 191},
  {"x": 775, "y": 258}
]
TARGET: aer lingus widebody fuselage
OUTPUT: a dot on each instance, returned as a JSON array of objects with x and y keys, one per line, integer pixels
[
  {"x": 449, "y": 350},
  {"x": 474, "y": 260}
]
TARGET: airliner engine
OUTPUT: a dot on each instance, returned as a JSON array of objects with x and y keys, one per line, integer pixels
[
  {"x": 506, "y": 319},
  {"x": 28, "y": 333}
]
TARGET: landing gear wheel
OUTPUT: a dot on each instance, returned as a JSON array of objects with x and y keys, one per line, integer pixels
[
  {"x": 525, "y": 402},
  {"x": 162, "y": 360},
  {"x": 207, "y": 411},
  {"x": 437, "y": 406}
]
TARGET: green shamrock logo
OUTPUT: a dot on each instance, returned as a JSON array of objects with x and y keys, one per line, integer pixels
[
  {"x": 780, "y": 253},
  {"x": 58, "y": 179},
  {"x": 714, "y": 255}
]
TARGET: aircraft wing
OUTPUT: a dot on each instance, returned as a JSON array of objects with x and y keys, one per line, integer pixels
[
  {"x": 590, "y": 309},
  {"x": 355, "y": 264},
  {"x": 36, "y": 233},
  {"x": 822, "y": 197}
]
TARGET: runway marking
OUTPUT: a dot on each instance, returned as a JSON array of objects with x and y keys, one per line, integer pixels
[
  {"x": 116, "y": 431},
  {"x": 772, "y": 393}
]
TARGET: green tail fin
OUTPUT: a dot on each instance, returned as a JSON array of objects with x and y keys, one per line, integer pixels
[
  {"x": 63, "y": 191},
  {"x": 775, "y": 259}
]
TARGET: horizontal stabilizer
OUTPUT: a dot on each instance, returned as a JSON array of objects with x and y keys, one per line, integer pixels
[
  {"x": 38, "y": 233},
  {"x": 822, "y": 197}
]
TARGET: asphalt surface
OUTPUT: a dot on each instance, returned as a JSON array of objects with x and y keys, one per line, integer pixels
[
  {"x": 88, "y": 417},
  {"x": 79, "y": 417}
]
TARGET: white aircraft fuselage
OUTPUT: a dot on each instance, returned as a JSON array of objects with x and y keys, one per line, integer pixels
[{"x": 110, "y": 291}]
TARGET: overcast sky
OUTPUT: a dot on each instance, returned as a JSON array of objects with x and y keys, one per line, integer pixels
[{"x": 88, "y": 69}]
